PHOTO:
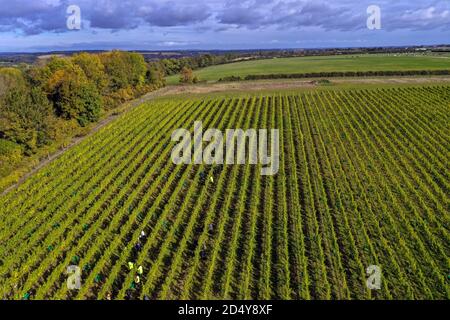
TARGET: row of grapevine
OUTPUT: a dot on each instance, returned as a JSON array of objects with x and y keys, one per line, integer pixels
[{"x": 363, "y": 180}]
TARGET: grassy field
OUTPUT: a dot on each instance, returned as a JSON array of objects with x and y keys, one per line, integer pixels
[
  {"x": 322, "y": 64},
  {"x": 363, "y": 181}
]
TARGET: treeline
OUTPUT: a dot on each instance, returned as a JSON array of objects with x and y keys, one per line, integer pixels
[
  {"x": 176, "y": 65},
  {"x": 336, "y": 74},
  {"x": 172, "y": 66},
  {"x": 43, "y": 103}
]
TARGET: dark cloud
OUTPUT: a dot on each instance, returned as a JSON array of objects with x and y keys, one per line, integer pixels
[
  {"x": 33, "y": 17},
  {"x": 341, "y": 15},
  {"x": 242, "y": 17},
  {"x": 174, "y": 14},
  {"x": 320, "y": 14},
  {"x": 114, "y": 15},
  {"x": 37, "y": 16}
]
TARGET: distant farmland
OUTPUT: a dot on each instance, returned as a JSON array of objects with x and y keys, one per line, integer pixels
[
  {"x": 323, "y": 64},
  {"x": 363, "y": 181}
]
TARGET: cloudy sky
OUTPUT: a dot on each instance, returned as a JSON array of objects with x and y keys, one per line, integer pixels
[{"x": 41, "y": 25}]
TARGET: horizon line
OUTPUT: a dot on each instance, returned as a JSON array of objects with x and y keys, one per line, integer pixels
[{"x": 226, "y": 50}]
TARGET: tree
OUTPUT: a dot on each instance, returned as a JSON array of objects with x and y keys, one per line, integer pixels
[
  {"x": 25, "y": 116},
  {"x": 10, "y": 78},
  {"x": 155, "y": 75},
  {"x": 73, "y": 95},
  {"x": 137, "y": 68},
  {"x": 187, "y": 75},
  {"x": 10, "y": 154},
  {"x": 124, "y": 69},
  {"x": 93, "y": 68}
]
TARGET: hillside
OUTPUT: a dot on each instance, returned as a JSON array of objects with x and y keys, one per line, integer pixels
[{"x": 323, "y": 64}]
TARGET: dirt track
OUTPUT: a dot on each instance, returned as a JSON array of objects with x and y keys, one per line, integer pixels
[{"x": 287, "y": 84}]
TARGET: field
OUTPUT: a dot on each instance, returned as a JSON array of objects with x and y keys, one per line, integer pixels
[
  {"x": 322, "y": 64},
  {"x": 363, "y": 180}
]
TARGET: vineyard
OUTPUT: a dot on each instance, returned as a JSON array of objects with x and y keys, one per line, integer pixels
[{"x": 363, "y": 180}]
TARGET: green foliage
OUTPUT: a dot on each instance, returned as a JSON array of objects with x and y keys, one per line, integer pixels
[
  {"x": 8, "y": 147},
  {"x": 187, "y": 76},
  {"x": 175, "y": 65},
  {"x": 10, "y": 78},
  {"x": 10, "y": 154},
  {"x": 324, "y": 82},
  {"x": 93, "y": 69},
  {"x": 124, "y": 69},
  {"x": 58, "y": 63},
  {"x": 75, "y": 97},
  {"x": 155, "y": 75},
  {"x": 24, "y": 117}
]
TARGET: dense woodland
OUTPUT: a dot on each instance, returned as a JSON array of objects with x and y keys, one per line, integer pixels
[{"x": 44, "y": 103}]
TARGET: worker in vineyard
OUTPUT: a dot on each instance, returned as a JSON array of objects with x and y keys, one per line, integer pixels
[
  {"x": 203, "y": 254},
  {"x": 140, "y": 270},
  {"x": 130, "y": 265},
  {"x": 98, "y": 278},
  {"x": 128, "y": 295},
  {"x": 138, "y": 246},
  {"x": 75, "y": 260},
  {"x": 142, "y": 235}
]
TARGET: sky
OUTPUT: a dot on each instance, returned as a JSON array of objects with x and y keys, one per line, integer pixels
[{"x": 42, "y": 25}]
